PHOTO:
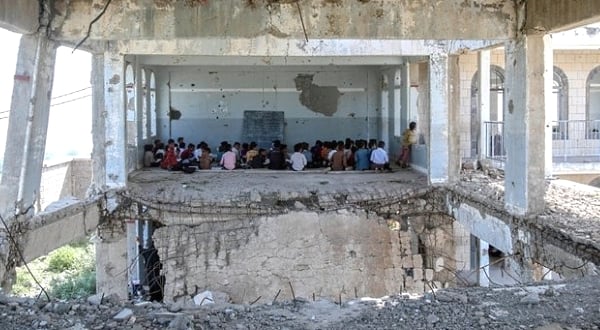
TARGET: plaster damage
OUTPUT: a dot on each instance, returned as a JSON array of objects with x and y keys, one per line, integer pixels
[
  {"x": 320, "y": 99},
  {"x": 323, "y": 19}
]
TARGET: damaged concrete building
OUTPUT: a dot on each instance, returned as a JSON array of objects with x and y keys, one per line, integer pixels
[{"x": 302, "y": 70}]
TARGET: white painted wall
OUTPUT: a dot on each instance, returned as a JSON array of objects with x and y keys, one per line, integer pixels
[{"x": 212, "y": 101}]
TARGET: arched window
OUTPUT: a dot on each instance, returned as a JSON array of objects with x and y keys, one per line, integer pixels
[
  {"x": 496, "y": 104},
  {"x": 559, "y": 106},
  {"x": 152, "y": 104},
  {"x": 593, "y": 104}
]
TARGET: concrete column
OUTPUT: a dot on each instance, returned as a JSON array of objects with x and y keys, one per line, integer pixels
[
  {"x": 404, "y": 96},
  {"x": 384, "y": 132},
  {"x": 398, "y": 83},
  {"x": 524, "y": 131},
  {"x": 484, "y": 263},
  {"x": 148, "y": 106},
  {"x": 139, "y": 114},
  {"x": 28, "y": 124},
  {"x": 548, "y": 83},
  {"x": 443, "y": 130},
  {"x": 109, "y": 157},
  {"x": 484, "y": 63},
  {"x": 111, "y": 261}
]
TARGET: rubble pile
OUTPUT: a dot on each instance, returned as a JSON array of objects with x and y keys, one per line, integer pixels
[{"x": 571, "y": 305}]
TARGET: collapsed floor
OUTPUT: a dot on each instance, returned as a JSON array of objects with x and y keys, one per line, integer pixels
[{"x": 327, "y": 235}]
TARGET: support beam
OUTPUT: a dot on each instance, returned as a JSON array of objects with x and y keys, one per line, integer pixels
[
  {"x": 559, "y": 15},
  {"x": 111, "y": 261},
  {"x": 28, "y": 124},
  {"x": 443, "y": 103},
  {"x": 385, "y": 105},
  {"x": 483, "y": 62},
  {"x": 548, "y": 99},
  {"x": 109, "y": 157},
  {"x": 524, "y": 133},
  {"x": 20, "y": 16}
]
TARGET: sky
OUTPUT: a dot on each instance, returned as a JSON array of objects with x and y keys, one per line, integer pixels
[{"x": 69, "y": 127}]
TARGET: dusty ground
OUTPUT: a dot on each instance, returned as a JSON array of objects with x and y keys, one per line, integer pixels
[{"x": 571, "y": 305}]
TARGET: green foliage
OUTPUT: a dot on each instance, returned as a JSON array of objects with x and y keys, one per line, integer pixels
[
  {"x": 74, "y": 285},
  {"x": 67, "y": 272},
  {"x": 23, "y": 283},
  {"x": 64, "y": 258}
]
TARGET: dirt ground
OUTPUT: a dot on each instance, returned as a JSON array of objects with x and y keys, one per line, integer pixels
[{"x": 545, "y": 306}]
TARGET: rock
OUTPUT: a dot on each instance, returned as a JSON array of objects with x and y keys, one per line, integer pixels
[
  {"x": 61, "y": 308},
  {"x": 299, "y": 206},
  {"x": 550, "y": 292},
  {"x": 446, "y": 296},
  {"x": 123, "y": 315},
  {"x": 553, "y": 326},
  {"x": 181, "y": 322},
  {"x": 96, "y": 299},
  {"x": 4, "y": 300},
  {"x": 204, "y": 298},
  {"x": 432, "y": 319},
  {"x": 531, "y": 299},
  {"x": 112, "y": 299}
]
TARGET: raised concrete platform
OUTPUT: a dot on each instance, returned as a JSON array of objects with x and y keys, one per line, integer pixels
[{"x": 254, "y": 232}]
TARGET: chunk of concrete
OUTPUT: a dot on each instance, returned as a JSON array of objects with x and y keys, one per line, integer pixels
[
  {"x": 204, "y": 298},
  {"x": 123, "y": 315}
]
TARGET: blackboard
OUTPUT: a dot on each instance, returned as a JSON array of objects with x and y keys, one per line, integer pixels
[{"x": 263, "y": 127}]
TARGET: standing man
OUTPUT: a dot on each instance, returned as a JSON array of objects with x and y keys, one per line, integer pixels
[{"x": 409, "y": 137}]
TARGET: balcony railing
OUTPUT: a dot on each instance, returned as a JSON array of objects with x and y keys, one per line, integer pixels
[
  {"x": 494, "y": 135},
  {"x": 576, "y": 141},
  {"x": 573, "y": 141}
]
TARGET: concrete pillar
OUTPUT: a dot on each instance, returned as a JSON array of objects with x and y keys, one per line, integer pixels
[
  {"x": 548, "y": 84},
  {"x": 398, "y": 85},
  {"x": 484, "y": 263},
  {"x": 28, "y": 124},
  {"x": 139, "y": 114},
  {"x": 384, "y": 132},
  {"x": 109, "y": 158},
  {"x": 404, "y": 96},
  {"x": 524, "y": 131},
  {"x": 484, "y": 63},
  {"x": 443, "y": 131},
  {"x": 111, "y": 261}
]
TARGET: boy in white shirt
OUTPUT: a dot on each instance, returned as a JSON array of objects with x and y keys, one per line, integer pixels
[
  {"x": 379, "y": 158},
  {"x": 298, "y": 160}
]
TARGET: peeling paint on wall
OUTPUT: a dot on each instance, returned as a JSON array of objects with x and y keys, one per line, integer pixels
[{"x": 320, "y": 99}]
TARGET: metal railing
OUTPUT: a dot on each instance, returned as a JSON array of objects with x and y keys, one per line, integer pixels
[
  {"x": 573, "y": 141},
  {"x": 494, "y": 140},
  {"x": 576, "y": 141}
]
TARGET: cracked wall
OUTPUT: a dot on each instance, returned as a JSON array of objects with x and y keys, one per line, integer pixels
[
  {"x": 348, "y": 252},
  {"x": 382, "y": 19}
]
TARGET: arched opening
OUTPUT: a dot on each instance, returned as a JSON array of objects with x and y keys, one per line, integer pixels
[
  {"x": 593, "y": 104},
  {"x": 559, "y": 106},
  {"x": 496, "y": 110}
]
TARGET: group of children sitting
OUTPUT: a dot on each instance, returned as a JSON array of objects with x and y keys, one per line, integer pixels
[{"x": 337, "y": 155}]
